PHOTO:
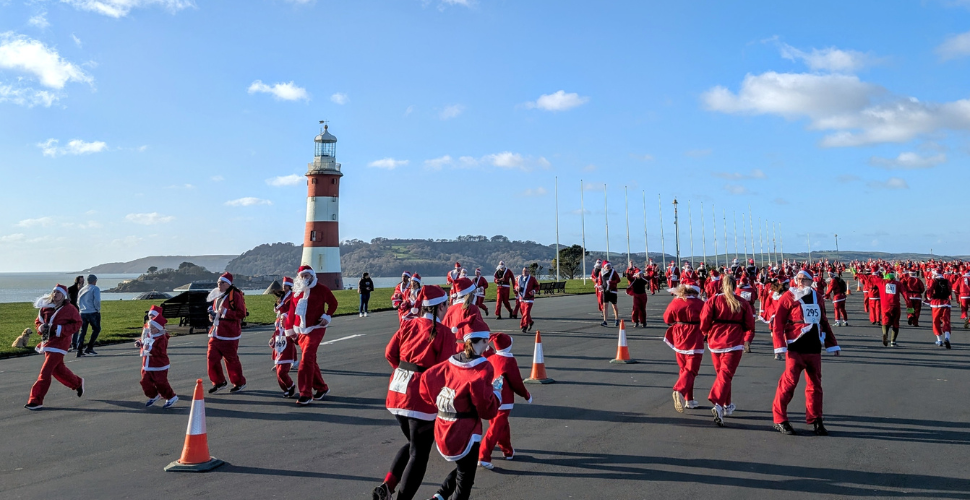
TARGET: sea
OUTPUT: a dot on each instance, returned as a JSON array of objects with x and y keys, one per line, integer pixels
[{"x": 25, "y": 287}]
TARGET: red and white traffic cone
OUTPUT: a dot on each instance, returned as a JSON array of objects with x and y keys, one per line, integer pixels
[
  {"x": 622, "y": 350},
  {"x": 538, "y": 365},
  {"x": 195, "y": 453}
]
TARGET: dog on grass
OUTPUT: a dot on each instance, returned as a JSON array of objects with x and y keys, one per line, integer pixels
[{"x": 23, "y": 339}]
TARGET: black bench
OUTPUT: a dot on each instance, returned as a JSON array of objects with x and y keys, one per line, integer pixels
[{"x": 552, "y": 287}]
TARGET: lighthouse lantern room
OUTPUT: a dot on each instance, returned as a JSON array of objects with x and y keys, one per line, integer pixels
[{"x": 321, "y": 240}]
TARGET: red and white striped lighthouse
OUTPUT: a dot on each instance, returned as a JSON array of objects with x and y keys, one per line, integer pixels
[{"x": 321, "y": 240}]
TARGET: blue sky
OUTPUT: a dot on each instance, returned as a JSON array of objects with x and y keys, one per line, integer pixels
[{"x": 145, "y": 127}]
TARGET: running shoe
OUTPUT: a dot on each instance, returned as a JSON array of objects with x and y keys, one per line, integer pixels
[
  {"x": 80, "y": 389},
  {"x": 785, "y": 428},
  {"x": 729, "y": 410},
  {"x": 218, "y": 387},
  {"x": 170, "y": 402},
  {"x": 152, "y": 401},
  {"x": 678, "y": 402},
  {"x": 718, "y": 412},
  {"x": 319, "y": 395},
  {"x": 486, "y": 465},
  {"x": 819, "y": 428},
  {"x": 237, "y": 388},
  {"x": 382, "y": 492}
]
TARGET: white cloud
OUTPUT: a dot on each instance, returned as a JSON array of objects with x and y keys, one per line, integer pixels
[
  {"x": 339, "y": 98},
  {"x": 77, "y": 41},
  {"x": 181, "y": 186},
  {"x": 539, "y": 191},
  {"x": 557, "y": 101},
  {"x": 284, "y": 91},
  {"x": 590, "y": 168},
  {"x": 755, "y": 174},
  {"x": 736, "y": 189},
  {"x": 438, "y": 163},
  {"x": 829, "y": 59},
  {"x": 40, "y": 221},
  {"x": 127, "y": 241},
  {"x": 74, "y": 147},
  {"x": 217, "y": 178},
  {"x": 91, "y": 224},
  {"x": 39, "y": 21},
  {"x": 856, "y": 113},
  {"x": 908, "y": 161},
  {"x": 149, "y": 219},
  {"x": 891, "y": 183},
  {"x": 26, "y": 96},
  {"x": 121, "y": 8},
  {"x": 409, "y": 110},
  {"x": 388, "y": 163},
  {"x": 451, "y": 111},
  {"x": 505, "y": 159},
  {"x": 142, "y": 149},
  {"x": 780, "y": 201},
  {"x": 286, "y": 180},
  {"x": 955, "y": 46},
  {"x": 247, "y": 202},
  {"x": 31, "y": 57},
  {"x": 12, "y": 238}
]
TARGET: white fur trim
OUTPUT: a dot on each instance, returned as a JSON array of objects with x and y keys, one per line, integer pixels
[
  {"x": 223, "y": 278},
  {"x": 429, "y": 417},
  {"x": 471, "y": 442}
]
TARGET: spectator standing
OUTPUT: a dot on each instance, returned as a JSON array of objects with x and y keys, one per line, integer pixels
[
  {"x": 72, "y": 292},
  {"x": 89, "y": 303},
  {"x": 364, "y": 287}
]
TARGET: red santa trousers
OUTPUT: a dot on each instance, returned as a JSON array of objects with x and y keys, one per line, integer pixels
[
  {"x": 502, "y": 300},
  {"x": 53, "y": 367},
  {"x": 891, "y": 318},
  {"x": 526, "y": 314},
  {"x": 480, "y": 302},
  {"x": 308, "y": 376},
  {"x": 283, "y": 376},
  {"x": 228, "y": 350},
  {"x": 725, "y": 364},
  {"x": 639, "y": 308},
  {"x": 941, "y": 320},
  {"x": 515, "y": 312},
  {"x": 865, "y": 301},
  {"x": 917, "y": 305},
  {"x": 653, "y": 286},
  {"x": 875, "y": 310},
  {"x": 795, "y": 363},
  {"x": 498, "y": 433},
  {"x": 839, "y": 308},
  {"x": 599, "y": 300},
  {"x": 155, "y": 383},
  {"x": 964, "y": 304},
  {"x": 689, "y": 364}
]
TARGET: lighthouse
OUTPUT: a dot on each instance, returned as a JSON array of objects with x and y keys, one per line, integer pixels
[{"x": 321, "y": 240}]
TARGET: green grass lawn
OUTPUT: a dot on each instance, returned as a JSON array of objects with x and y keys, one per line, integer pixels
[{"x": 121, "y": 320}]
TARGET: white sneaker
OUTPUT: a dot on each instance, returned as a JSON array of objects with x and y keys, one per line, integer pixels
[
  {"x": 692, "y": 404},
  {"x": 487, "y": 465},
  {"x": 729, "y": 409},
  {"x": 360, "y": 315},
  {"x": 718, "y": 412},
  {"x": 171, "y": 402},
  {"x": 365, "y": 314},
  {"x": 939, "y": 343},
  {"x": 510, "y": 457},
  {"x": 152, "y": 401},
  {"x": 678, "y": 402}
]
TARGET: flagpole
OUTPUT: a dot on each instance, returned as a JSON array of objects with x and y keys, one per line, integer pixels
[
  {"x": 663, "y": 248},
  {"x": 606, "y": 214},
  {"x": 646, "y": 242},
  {"x": 714, "y": 216},
  {"x": 724, "y": 222},
  {"x": 751, "y": 232},
  {"x": 626, "y": 203},
  {"x": 703, "y": 234},
  {"x": 558, "y": 257},
  {"x": 690, "y": 225},
  {"x": 761, "y": 242},
  {"x": 744, "y": 239},
  {"x": 582, "y": 212},
  {"x": 735, "y": 235}
]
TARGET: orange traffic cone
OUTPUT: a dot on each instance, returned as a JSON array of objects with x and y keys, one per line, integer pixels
[
  {"x": 622, "y": 351},
  {"x": 195, "y": 453},
  {"x": 538, "y": 365}
]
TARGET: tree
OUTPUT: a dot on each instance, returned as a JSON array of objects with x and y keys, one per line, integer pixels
[
  {"x": 535, "y": 269},
  {"x": 570, "y": 261},
  {"x": 152, "y": 270},
  {"x": 186, "y": 264}
]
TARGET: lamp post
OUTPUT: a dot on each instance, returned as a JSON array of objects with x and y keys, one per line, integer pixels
[
  {"x": 606, "y": 213},
  {"x": 582, "y": 212},
  {"x": 676, "y": 234},
  {"x": 663, "y": 248},
  {"x": 837, "y": 258}
]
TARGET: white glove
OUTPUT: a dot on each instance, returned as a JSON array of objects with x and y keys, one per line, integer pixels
[
  {"x": 529, "y": 400},
  {"x": 325, "y": 320}
]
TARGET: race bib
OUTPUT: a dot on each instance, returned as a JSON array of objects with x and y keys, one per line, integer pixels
[
  {"x": 890, "y": 289},
  {"x": 280, "y": 344},
  {"x": 400, "y": 380},
  {"x": 746, "y": 296},
  {"x": 811, "y": 313},
  {"x": 446, "y": 400}
]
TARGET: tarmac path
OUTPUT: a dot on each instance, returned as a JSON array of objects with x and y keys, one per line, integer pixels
[{"x": 899, "y": 421}]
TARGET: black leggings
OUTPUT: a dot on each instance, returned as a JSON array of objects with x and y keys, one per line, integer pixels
[
  {"x": 460, "y": 480},
  {"x": 412, "y": 459}
]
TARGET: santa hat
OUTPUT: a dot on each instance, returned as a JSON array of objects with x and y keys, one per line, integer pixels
[
  {"x": 429, "y": 296},
  {"x": 457, "y": 264},
  {"x": 598, "y": 263},
  {"x": 750, "y": 261},
  {"x": 405, "y": 273},
  {"x": 478, "y": 270},
  {"x": 416, "y": 277},
  {"x": 154, "y": 311},
  {"x": 61, "y": 288},
  {"x": 306, "y": 269},
  {"x": 501, "y": 265},
  {"x": 156, "y": 319},
  {"x": 462, "y": 273},
  {"x": 805, "y": 273},
  {"x": 287, "y": 281},
  {"x": 463, "y": 286},
  {"x": 227, "y": 277},
  {"x": 502, "y": 341},
  {"x": 606, "y": 263},
  {"x": 474, "y": 329}
]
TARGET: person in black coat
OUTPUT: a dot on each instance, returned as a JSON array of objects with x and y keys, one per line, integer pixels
[{"x": 364, "y": 287}]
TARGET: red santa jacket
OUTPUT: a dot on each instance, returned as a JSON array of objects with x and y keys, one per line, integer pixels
[
  {"x": 506, "y": 368},
  {"x": 503, "y": 278},
  {"x": 400, "y": 292},
  {"x": 963, "y": 287},
  {"x": 63, "y": 323},
  {"x": 748, "y": 293},
  {"x": 453, "y": 275},
  {"x": 526, "y": 288},
  {"x": 411, "y": 352},
  {"x": 608, "y": 280},
  {"x": 230, "y": 310},
  {"x": 892, "y": 294},
  {"x": 284, "y": 348},
  {"x": 726, "y": 330},
  {"x": 308, "y": 307},
  {"x": 914, "y": 288},
  {"x": 457, "y": 315},
  {"x": 481, "y": 284},
  {"x": 789, "y": 323},
  {"x": 836, "y": 290},
  {"x": 713, "y": 286},
  {"x": 462, "y": 391},
  {"x": 154, "y": 350},
  {"x": 936, "y": 293},
  {"x": 673, "y": 275},
  {"x": 683, "y": 317}
]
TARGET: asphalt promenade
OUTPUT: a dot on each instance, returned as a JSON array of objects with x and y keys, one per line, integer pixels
[{"x": 899, "y": 421}]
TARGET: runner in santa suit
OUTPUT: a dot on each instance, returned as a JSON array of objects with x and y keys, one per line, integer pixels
[
  {"x": 595, "y": 276},
  {"x": 748, "y": 293},
  {"x": 631, "y": 270},
  {"x": 728, "y": 322},
  {"x": 702, "y": 276},
  {"x": 689, "y": 275},
  {"x": 464, "y": 390},
  {"x": 608, "y": 281},
  {"x": 526, "y": 287},
  {"x": 683, "y": 318},
  {"x": 892, "y": 295},
  {"x": 938, "y": 294},
  {"x": 963, "y": 294},
  {"x": 401, "y": 291},
  {"x": 310, "y": 313},
  {"x": 407, "y": 303},
  {"x": 507, "y": 370},
  {"x": 57, "y": 322},
  {"x": 751, "y": 270},
  {"x": 227, "y": 311},
  {"x": 415, "y": 347},
  {"x": 673, "y": 276},
  {"x": 914, "y": 298},
  {"x": 713, "y": 285},
  {"x": 651, "y": 274},
  {"x": 800, "y": 329},
  {"x": 153, "y": 346},
  {"x": 461, "y": 310},
  {"x": 871, "y": 283},
  {"x": 638, "y": 290},
  {"x": 861, "y": 278},
  {"x": 836, "y": 293},
  {"x": 284, "y": 347},
  {"x": 481, "y": 284},
  {"x": 454, "y": 274},
  {"x": 503, "y": 279}
]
